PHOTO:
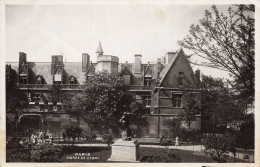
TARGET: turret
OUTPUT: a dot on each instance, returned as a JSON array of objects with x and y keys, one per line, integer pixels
[
  {"x": 23, "y": 68},
  {"x": 106, "y": 62},
  {"x": 99, "y": 51}
]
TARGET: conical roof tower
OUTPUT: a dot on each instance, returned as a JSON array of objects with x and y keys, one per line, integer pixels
[{"x": 99, "y": 49}]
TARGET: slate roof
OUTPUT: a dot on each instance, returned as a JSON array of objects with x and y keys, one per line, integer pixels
[
  {"x": 165, "y": 71},
  {"x": 44, "y": 69},
  {"x": 168, "y": 67},
  {"x": 75, "y": 69}
]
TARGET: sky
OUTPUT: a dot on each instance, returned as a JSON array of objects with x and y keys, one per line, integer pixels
[{"x": 124, "y": 30}]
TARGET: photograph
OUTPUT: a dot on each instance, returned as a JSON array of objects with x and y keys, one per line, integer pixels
[{"x": 129, "y": 82}]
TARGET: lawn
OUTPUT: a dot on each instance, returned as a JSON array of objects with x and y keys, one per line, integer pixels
[
  {"x": 101, "y": 154},
  {"x": 186, "y": 156}
]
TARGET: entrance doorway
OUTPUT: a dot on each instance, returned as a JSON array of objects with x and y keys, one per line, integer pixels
[{"x": 28, "y": 124}]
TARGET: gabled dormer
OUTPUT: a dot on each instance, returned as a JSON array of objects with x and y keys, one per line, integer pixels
[
  {"x": 126, "y": 74},
  {"x": 90, "y": 70},
  {"x": 72, "y": 80},
  {"x": 23, "y": 68},
  {"x": 39, "y": 80},
  {"x": 178, "y": 72},
  {"x": 57, "y": 69},
  {"x": 148, "y": 75}
]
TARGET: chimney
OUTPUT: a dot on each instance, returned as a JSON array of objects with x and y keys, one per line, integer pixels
[
  {"x": 22, "y": 57},
  {"x": 159, "y": 65},
  {"x": 57, "y": 59},
  {"x": 197, "y": 74},
  {"x": 85, "y": 61},
  {"x": 170, "y": 56},
  {"x": 137, "y": 64},
  {"x": 188, "y": 57}
]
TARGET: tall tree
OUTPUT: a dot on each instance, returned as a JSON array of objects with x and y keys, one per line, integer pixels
[
  {"x": 16, "y": 103},
  {"x": 214, "y": 90},
  {"x": 103, "y": 101},
  {"x": 228, "y": 43},
  {"x": 190, "y": 107},
  {"x": 220, "y": 106}
]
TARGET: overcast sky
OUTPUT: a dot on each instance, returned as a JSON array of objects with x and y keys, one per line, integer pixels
[{"x": 124, "y": 30}]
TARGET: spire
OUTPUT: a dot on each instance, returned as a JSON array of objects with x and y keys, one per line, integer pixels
[{"x": 99, "y": 49}]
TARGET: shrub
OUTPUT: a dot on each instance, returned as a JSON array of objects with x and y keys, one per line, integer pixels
[
  {"x": 73, "y": 132},
  {"x": 14, "y": 143},
  {"x": 218, "y": 146},
  {"x": 46, "y": 153},
  {"x": 164, "y": 156},
  {"x": 166, "y": 142},
  {"x": 189, "y": 135},
  {"x": 19, "y": 154},
  {"x": 108, "y": 138},
  {"x": 91, "y": 137},
  {"x": 246, "y": 136},
  {"x": 16, "y": 151}
]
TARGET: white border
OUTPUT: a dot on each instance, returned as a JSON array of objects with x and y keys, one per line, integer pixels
[{"x": 127, "y": 2}]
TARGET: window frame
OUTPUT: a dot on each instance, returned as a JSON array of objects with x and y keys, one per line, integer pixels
[
  {"x": 181, "y": 79},
  {"x": 147, "y": 100},
  {"x": 72, "y": 80},
  {"x": 178, "y": 103},
  {"x": 149, "y": 81},
  {"x": 38, "y": 80},
  {"x": 23, "y": 81}
]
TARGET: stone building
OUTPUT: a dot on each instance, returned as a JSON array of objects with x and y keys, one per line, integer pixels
[{"x": 160, "y": 86}]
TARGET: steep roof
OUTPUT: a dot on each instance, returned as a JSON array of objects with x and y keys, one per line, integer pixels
[
  {"x": 167, "y": 68},
  {"x": 99, "y": 49},
  {"x": 75, "y": 69},
  {"x": 44, "y": 69}
]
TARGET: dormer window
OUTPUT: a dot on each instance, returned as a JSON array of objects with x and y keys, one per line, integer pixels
[
  {"x": 72, "y": 80},
  {"x": 23, "y": 79},
  {"x": 126, "y": 74},
  {"x": 57, "y": 79},
  {"x": 38, "y": 80},
  {"x": 90, "y": 71},
  {"x": 147, "y": 81},
  {"x": 148, "y": 73}
]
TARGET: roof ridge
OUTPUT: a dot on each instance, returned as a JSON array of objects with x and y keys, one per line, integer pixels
[{"x": 168, "y": 67}]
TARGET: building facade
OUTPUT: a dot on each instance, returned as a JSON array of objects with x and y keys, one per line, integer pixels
[{"x": 159, "y": 86}]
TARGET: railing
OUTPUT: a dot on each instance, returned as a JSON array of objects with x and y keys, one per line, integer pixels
[
  {"x": 140, "y": 87},
  {"x": 34, "y": 86},
  {"x": 49, "y": 86},
  {"x": 71, "y": 87}
]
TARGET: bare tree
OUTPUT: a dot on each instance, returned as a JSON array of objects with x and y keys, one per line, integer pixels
[{"x": 227, "y": 42}]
